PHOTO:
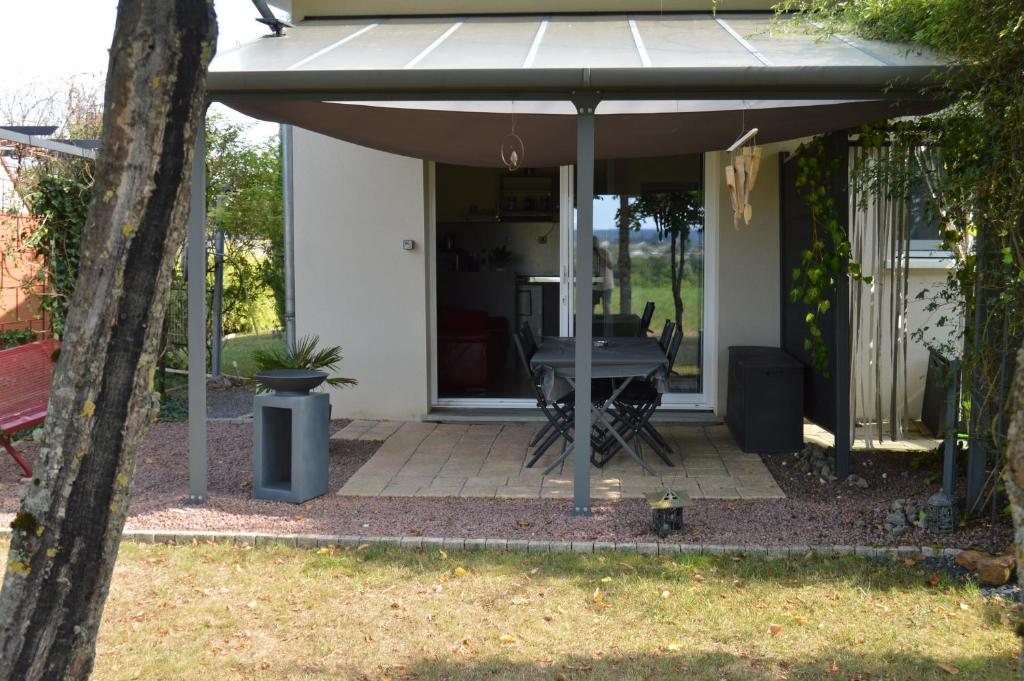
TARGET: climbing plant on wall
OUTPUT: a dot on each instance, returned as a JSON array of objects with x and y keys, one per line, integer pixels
[
  {"x": 828, "y": 257},
  {"x": 59, "y": 199}
]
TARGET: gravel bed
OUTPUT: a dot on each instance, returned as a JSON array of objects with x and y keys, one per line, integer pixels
[
  {"x": 813, "y": 513},
  {"x": 228, "y": 402}
]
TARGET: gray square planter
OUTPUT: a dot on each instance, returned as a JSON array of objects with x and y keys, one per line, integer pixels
[{"x": 291, "y": 440}]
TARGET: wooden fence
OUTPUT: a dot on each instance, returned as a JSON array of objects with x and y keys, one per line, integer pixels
[{"x": 20, "y": 288}]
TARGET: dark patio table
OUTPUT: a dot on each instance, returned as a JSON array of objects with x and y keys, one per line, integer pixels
[{"x": 612, "y": 358}]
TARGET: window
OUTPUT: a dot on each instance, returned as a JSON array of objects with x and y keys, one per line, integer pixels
[{"x": 925, "y": 222}]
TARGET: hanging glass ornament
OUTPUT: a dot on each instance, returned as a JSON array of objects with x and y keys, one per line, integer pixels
[{"x": 512, "y": 150}]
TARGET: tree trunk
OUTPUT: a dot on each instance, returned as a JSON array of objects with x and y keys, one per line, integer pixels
[
  {"x": 625, "y": 264},
  {"x": 67, "y": 532},
  {"x": 1015, "y": 471},
  {"x": 678, "y": 247}
]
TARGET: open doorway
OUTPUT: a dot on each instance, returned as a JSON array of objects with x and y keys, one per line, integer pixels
[{"x": 497, "y": 266}]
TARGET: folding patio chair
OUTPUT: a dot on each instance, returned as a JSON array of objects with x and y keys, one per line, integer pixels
[
  {"x": 526, "y": 345},
  {"x": 666, "y": 334},
  {"x": 634, "y": 408},
  {"x": 559, "y": 412},
  {"x": 645, "y": 319}
]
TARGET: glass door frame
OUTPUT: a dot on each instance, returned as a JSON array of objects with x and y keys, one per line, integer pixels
[{"x": 702, "y": 401}]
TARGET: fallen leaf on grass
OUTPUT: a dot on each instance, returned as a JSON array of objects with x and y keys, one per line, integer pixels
[
  {"x": 774, "y": 629},
  {"x": 459, "y": 571},
  {"x": 443, "y": 554},
  {"x": 606, "y": 579},
  {"x": 800, "y": 619},
  {"x": 507, "y": 639},
  {"x": 674, "y": 647},
  {"x": 699, "y": 577},
  {"x": 666, "y": 593},
  {"x": 964, "y": 606},
  {"x": 832, "y": 668},
  {"x": 739, "y": 583},
  {"x": 362, "y": 547},
  {"x": 948, "y": 668},
  {"x": 933, "y": 580}
]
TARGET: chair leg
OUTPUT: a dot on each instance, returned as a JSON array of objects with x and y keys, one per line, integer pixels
[
  {"x": 541, "y": 432},
  {"x": 543, "y": 448},
  {"x": 6, "y": 444}
]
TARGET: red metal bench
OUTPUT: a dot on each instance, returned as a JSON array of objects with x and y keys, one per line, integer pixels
[{"x": 24, "y": 391}]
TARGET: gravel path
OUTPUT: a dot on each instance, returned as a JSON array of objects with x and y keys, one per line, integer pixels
[
  {"x": 228, "y": 402},
  {"x": 812, "y": 514}
]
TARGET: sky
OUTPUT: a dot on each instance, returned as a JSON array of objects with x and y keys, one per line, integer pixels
[{"x": 48, "y": 41}]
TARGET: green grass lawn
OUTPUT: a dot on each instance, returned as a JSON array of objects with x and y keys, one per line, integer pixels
[
  {"x": 228, "y": 612},
  {"x": 240, "y": 348},
  {"x": 664, "y": 306}
]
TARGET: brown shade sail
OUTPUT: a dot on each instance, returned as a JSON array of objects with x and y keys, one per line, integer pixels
[{"x": 473, "y": 137}]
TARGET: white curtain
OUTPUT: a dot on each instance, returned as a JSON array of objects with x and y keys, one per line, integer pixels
[{"x": 879, "y": 236}]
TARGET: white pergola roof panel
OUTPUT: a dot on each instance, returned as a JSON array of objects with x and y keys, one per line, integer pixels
[
  {"x": 557, "y": 42},
  {"x": 690, "y": 39},
  {"x": 493, "y": 42},
  {"x": 587, "y": 42},
  {"x": 785, "y": 46}
]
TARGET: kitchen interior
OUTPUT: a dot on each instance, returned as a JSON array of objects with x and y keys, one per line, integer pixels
[{"x": 497, "y": 267}]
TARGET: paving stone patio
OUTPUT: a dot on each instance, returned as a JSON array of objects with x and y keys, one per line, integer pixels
[{"x": 418, "y": 459}]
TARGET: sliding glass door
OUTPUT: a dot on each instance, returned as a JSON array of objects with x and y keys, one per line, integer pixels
[
  {"x": 650, "y": 252},
  {"x": 504, "y": 256}
]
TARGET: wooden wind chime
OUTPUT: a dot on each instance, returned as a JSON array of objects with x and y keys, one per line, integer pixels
[{"x": 741, "y": 175}]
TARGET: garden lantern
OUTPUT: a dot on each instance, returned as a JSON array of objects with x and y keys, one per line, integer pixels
[
  {"x": 667, "y": 510},
  {"x": 940, "y": 516}
]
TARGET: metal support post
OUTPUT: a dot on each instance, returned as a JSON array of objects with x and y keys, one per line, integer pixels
[
  {"x": 197, "y": 455},
  {"x": 584, "y": 299},
  {"x": 288, "y": 199}
]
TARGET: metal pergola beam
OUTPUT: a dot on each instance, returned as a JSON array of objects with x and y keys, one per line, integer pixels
[
  {"x": 47, "y": 144},
  {"x": 753, "y": 82}
]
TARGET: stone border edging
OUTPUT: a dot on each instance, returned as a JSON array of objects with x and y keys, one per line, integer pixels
[{"x": 525, "y": 545}]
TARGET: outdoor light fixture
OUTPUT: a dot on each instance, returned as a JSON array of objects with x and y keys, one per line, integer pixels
[
  {"x": 667, "y": 510},
  {"x": 940, "y": 514},
  {"x": 741, "y": 175}
]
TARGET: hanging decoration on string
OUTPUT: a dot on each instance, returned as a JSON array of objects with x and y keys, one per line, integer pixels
[
  {"x": 512, "y": 150},
  {"x": 741, "y": 175}
]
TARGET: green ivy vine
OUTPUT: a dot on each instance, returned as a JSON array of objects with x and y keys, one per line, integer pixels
[
  {"x": 60, "y": 201},
  {"x": 828, "y": 258}
]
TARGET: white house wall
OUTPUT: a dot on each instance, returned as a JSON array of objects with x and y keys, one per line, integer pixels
[
  {"x": 748, "y": 269},
  {"x": 355, "y": 285}
]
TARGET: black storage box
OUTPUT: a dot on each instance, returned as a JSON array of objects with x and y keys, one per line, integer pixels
[{"x": 765, "y": 402}]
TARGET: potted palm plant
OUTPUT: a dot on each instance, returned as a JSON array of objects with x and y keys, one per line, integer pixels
[{"x": 300, "y": 369}]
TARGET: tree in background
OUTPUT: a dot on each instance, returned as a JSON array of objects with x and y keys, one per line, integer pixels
[
  {"x": 674, "y": 214},
  {"x": 66, "y": 534},
  {"x": 244, "y": 201}
]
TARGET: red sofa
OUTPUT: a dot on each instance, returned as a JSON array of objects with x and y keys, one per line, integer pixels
[{"x": 471, "y": 348}]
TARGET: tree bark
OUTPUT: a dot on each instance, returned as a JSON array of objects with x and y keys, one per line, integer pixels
[
  {"x": 676, "y": 255},
  {"x": 625, "y": 261},
  {"x": 1015, "y": 471},
  {"x": 67, "y": 532}
]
